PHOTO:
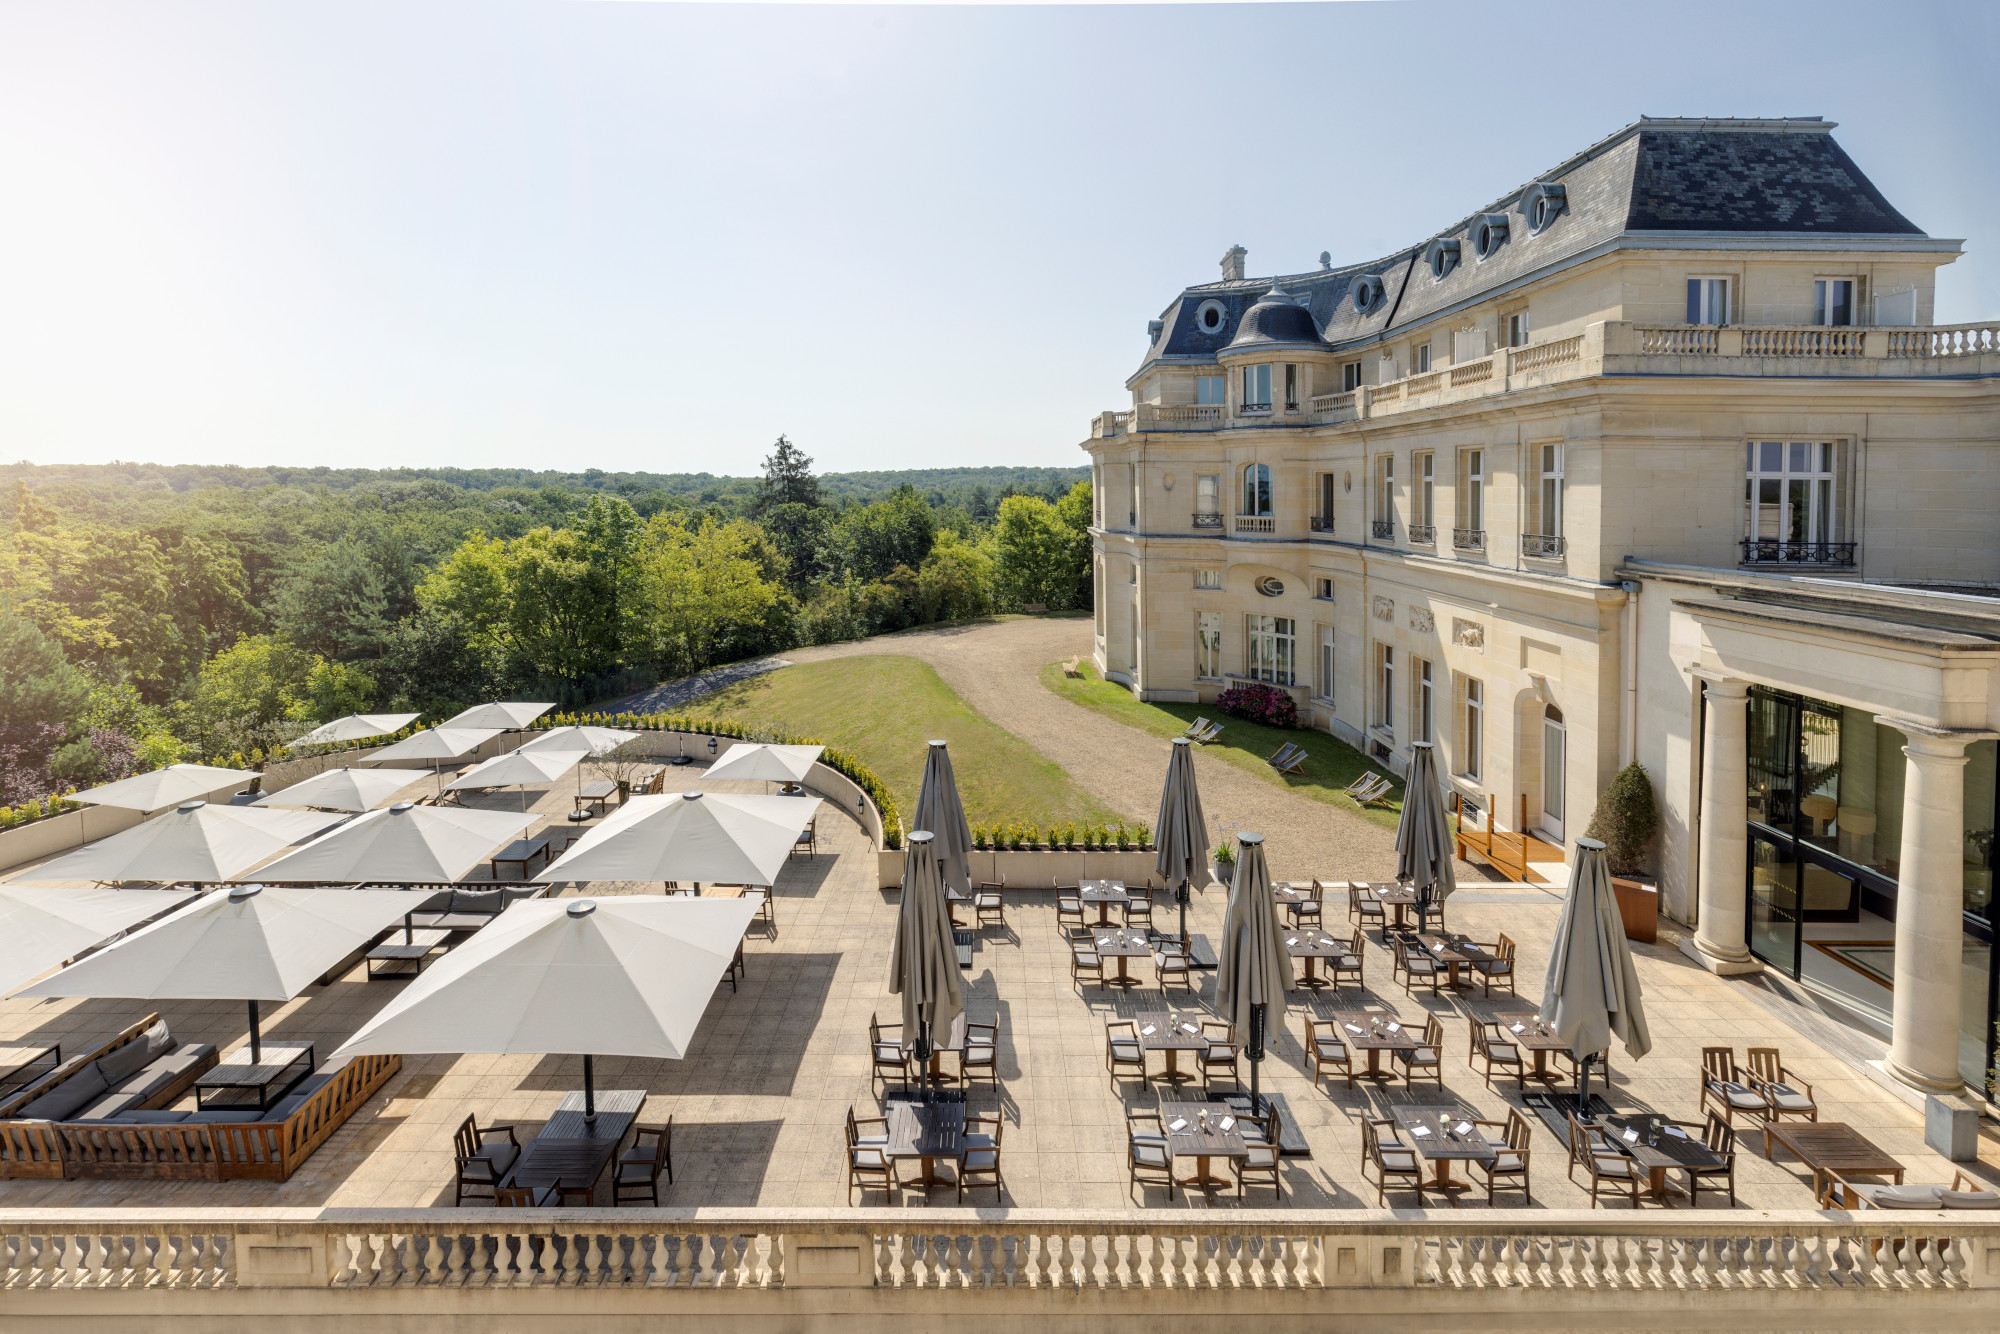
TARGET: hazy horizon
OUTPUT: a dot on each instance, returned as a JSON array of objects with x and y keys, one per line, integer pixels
[{"x": 654, "y": 236}]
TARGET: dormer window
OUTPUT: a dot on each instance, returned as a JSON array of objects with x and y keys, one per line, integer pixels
[
  {"x": 1209, "y": 317},
  {"x": 1543, "y": 203},
  {"x": 1368, "y": 292},
  {"x": 1442, "y": 257},
  {"x": 1490, "y": 234}
]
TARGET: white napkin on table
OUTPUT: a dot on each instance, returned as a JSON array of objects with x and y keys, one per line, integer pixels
[
  {"x": 1177, "y": 1124},
  {"x": 1462, "y": 1128},
  {"x": 1631, "y": 1137},
  {"x": 1147, "y": 1030},
  {"x": 1395, "y": 1028},
  {"x": 1520, "y": 1028},
  {"x": 1228, "y": 1121},
  {"x": 1354, "y": 1028},
  {"x": 1421, "y": 1131}
]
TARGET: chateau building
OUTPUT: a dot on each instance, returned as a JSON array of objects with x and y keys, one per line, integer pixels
[{"x": 1659, "y": 457}]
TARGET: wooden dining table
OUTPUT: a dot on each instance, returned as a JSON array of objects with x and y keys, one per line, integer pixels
[
  {"x": 1312, "y": 945},
  {"x": 926, "y": 1131},
  {"x": 597, "y": 795},
  {"x": 1357, "y": 1031},
  {"x": 1831, "y": 1146},
  {"x": 1656, "y": 1146},
  {"x": 1191, "y": 1141},
  {"x": 1455, "y": 952},
  {"x": 1525, "y": 1030},
  {"x": 1103, "y": 893},
  {"x": 1442, "y": 1136},
  {"x": 1122, "y": 943},
  {"x": 572, "y": 1151},
  {"x": 1172, "y": 1034},
  {"x": 1392, "y": 895}
]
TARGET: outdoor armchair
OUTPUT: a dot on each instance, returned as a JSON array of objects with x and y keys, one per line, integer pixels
[
  {"x": 1147, "y": 1160},
  {"x": 1589, "y": 1150},
  {"x": 1170, "y": 961},
  {"x": 1426, "y": 1059},
  {"x": 1219, "y": 1056},
  {"x": 978, "y": 1056},
  {"x": 885, "y": 1048},
  {"x": 1726, "y": 1086},
  {"x": 1123, "y": 1051},
  {"x": 1084, "y": 960},
  {"x": 1383, "y": 1149},
  {"x": 870, "y": 1167},
  {"x": 1349, "y": 965},
  {"x": 979, "y": 1155},
  {"x": 1509, "y": 1163},
  {"x": 1491, "y": 1044},
  {"x": 1139, "y": 907},
  {"x": 482, "y": 1166},
  {"x": 1069, "y": 907},
  {"x": 1262, "y": 1159},
  {"x": 1498, "y": 970},
  {"x": 1785, "y": 1093},
  {"x": 1720, "y": 1138},
  {"x": 1414, "y": 964},
  {"x": 875, "y": 1136},
  {"x": 1364, "y": 907},
  {"x": 639, "y": 1167},
  {"x": 1963, "y": 1193},
  {"x": 1308, "y": 911},
  {"x": 989, "y": 903},
  {"x": 1327, "y": 1049}
]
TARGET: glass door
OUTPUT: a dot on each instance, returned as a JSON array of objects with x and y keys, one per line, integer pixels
[
  {"x": 1774, "y": 903},
  {"x": 1553, "y": 771}
]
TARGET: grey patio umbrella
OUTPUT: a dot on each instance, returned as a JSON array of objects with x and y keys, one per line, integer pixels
[
  {"x": 1182, "y": 860},
  {"x": 923, "y": 963},
  {"x": 940, "y": 812},
  {"x": 1255, "y": 972},
  {"x": 1423, "y": 839},
  {"x": 1592, "y": 990}
]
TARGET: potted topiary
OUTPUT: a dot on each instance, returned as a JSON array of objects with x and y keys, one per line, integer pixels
[
  {"x": 1225, "y": 862},
  {"x": 1625, "y": 821}
]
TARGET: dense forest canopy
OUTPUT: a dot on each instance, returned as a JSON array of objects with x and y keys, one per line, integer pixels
[{"x": 151, "y": 613}]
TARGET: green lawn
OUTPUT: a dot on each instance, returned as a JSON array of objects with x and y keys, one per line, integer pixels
[
  {"x": 883, "y": 709},
  {"x": 1331, "y": 764}
]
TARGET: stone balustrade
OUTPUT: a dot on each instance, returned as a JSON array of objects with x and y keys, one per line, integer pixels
[{"x": 1061, "y": 1253}]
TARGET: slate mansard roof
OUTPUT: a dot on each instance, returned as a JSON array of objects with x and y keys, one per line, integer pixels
[{"x": 1657, "y": 182}]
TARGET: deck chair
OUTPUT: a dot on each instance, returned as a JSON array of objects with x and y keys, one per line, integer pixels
[
  {"x": 1196, "y": 728},
  {"x": 1209, "y": 733},
  {"x": 1295, "y": 763},
  {"x": 1381, "y": 793}
]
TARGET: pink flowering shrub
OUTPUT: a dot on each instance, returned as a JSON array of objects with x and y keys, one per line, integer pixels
[{"x": 1260, "y": 704}]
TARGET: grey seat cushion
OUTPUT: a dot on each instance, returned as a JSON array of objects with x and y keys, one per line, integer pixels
[
  {"x": 1399, "y": 1160},
  {"x": 1969, "y": 1199},
  {"x": 166, "y": 1069},
  {"x": 1904, "y": 1197},
  {"x": 1503, "y": 1051},
  {"x": 1330, "y": 1050},
  {"x": 109, "y": 1106},
  {"x": 1790, "y": 1099},
  {"x": 1738, "y": 1095},
  {"x": 148, "y": 1118},
  {"x": 475, "y": 901},
  {"x": 1149, "y": 1155},
  {"x": 232, "y": 1115},
  {"x": 1128, "y": 1051},
  {"x": 1506, "y": 1162},
  {"x": 120, "y": 1065},
  {"x": 291, "y": 1102},
  {"x": 67, "y": 1098}
]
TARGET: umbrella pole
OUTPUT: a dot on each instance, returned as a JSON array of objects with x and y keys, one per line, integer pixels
[
  {"x": 1583, "y": 1088},
  {"x": 1256, "y": 1056},
  {"x": 589, "y": 1094},
  {"x": 1181, "y": 897},
  {"x": 256, "y": 1038}
]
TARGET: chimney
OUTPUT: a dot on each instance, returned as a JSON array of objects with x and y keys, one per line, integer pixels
[{"x": 1232, "y": 264}]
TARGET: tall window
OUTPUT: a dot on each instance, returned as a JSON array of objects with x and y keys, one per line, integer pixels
[
  {"x": 1551, "y": 515},
  {"x": 1385, "y": 496},
  {"x": 1136, "y": 485},
  {"x": 1329, "y": 489},
  {"x": 1257, "y": 386},
  {"x": 1385, "y": 686},
  {"x": 1421, "y": 714},
  {"x": 1708, "y": 301},
  {"x": 1291, "y": 384},
  {"x": 1256, "y": 489},
  {"x": 1833, "y": 301},
  {"x": 1350, "y": 377},
  {"x": 1423, "y": 502},
  {"x": 1790, "y": 491},
  {"x": 1208, "y": 644},
  {"x": 1274, "y": 646},
  {"x": 1208, "y": 389},
  {"x": 1208, "y": 493},
  {"x": 1517, "y": 329},
  {"x": 1475, "y": 489},
  {"x": 1475, "y": 728},
  {"x": 1420, "y": 358},
  {"x": 1326, "y": 662},
  {"x": 1208, "y": 578}
]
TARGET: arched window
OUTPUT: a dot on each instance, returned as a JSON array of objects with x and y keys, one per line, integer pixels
[{"x": 1257, "y": 489}]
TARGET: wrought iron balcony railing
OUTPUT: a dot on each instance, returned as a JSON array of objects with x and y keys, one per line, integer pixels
[
  {"x": 1773, "y": 551},
  {"x": 1208, "y": 520},
  {"x": 1383, "y": 529},
  {"x": 1322, "y": 523},
  {"x": 1423, "y": 534},
  {"x": 1542, "y": 544},
  {"x": 1469, "y": 539}
]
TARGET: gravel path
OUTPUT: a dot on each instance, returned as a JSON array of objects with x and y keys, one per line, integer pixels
[
  {"x": 995, "y": 668},
  {"x": 673, "y": 694}
]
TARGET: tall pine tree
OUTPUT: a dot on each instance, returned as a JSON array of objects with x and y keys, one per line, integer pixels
[{"x": 788, "y": 479}]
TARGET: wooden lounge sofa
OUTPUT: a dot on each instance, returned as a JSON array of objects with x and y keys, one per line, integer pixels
[{"x": 467, "y": 908}]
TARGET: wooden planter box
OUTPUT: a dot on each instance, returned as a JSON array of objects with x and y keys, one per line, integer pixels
[
  {"x": 1038, "y": 869},
  {"x": 1638, "y": 908}
]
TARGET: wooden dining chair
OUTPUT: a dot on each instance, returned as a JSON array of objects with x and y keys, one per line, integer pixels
[
  {"x": 1327, "y": 1049},
  {"x": 1719, "y": 1137},
  {"x": 1170, "y": 961},
  {"x": 885, "y": 1047},
  {"x": 1364, "y": 907},
  {"x": 1307, "y": 911},
  {"x": 989, "y": 903},
  {"x": 639, "y": 1167},
  {"x": 1219, "y": 1055},
  {"x": 1726, "y": 1087},
  {"x": 870, "y": 1132},
  {"x": 978, "y": 1055},
  {"x": 482, "y": 1166},
  {"x": 1124, "y": 1051},
  {"x": 1492, "y": 1044},
  {"x": 1426, "y": 1059},
  {"x": 1069, "y": 907},
  {"x": 1349, "y": 965},
  {"x": 1499, "y": 970},
  {"x": 979, "y": 1155},
  {"x": 1084, "y": 960},
  {"x": 1148, "y": 1161},
  {"x": 1414, "y": 964},
  {"x": 1589, "y": 1150},
  {"x": 1508, "y": 1163},
  {"x": 1139, "y": 907},
  {"x": 1784, "y": 1093},
  {"x": 1262, "y": 1159},
  {"x": 869, "y": 1167},
  {"x": 1390, "y": 1157}
]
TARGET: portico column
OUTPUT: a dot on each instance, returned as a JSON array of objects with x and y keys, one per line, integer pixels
[
  {"x": 1718, "y": 943},
  {"x": 1930, "y": 930}
]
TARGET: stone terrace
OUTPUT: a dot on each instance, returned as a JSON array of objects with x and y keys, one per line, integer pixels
[{"x": 759, "y": 1103}]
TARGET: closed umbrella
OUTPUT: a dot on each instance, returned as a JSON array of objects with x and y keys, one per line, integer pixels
[
  {"x": 626, "y": 975},
  {"x": 43, "y": 925},
  {"x": 499, "y": 715},
  {"x": 403, "y": 844},
  {"x": 717, "y": 838},
  {"x": 514, "y": 769},
  {"x": 1182, "y": 860},
  {"x": 194, "y": 841},
  {"x": 1423, "y": 839},
  {"x": 923, "y": 961},
  {"x": 436, "y": 744},
  {"x": 940, "y": 811},
  {"x": 161, "y": 788},
  {"x": 1592, "y": 989},
  {"x": 247, "y": 943},
  {"x": 1255, "y": 972},
  {"x": 356, "y": 727},
  {"x": 340, "y": 790},
  {"x": 772, "y": 764}
]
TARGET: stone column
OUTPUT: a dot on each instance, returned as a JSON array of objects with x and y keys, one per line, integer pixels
[
  {"x": 1930, "y": 932},
  {"x": 1718, "y": 944}
]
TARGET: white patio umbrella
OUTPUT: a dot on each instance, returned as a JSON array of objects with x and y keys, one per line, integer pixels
[
  {"x": 514, "y": 769},
  {"x": 44, "y": 925},
  {"x": 715, "y": 838},
  {"x": 1423, "y": 839},
  {"x": 618, "y": 976},
  {"x": 580, "y": 742},
  {"x": 1182, "y": 860},
  {"x": 940, "y": 811},
  {"x": 340, "y": 790},
  {"x": 161, "y": 788},
  {"x": 923, "y": 961},
  {"x": 194, "y": 841},
  {"x": 403, "y": 844},
  {"x": 1592, "y": 990},
  {"x": 501, "y": 715},
  {"x": 356, "y": 727},
  {"x": 1254, "y": 972},
  {"x": 436, "y": 744},
  {"x": 247, "y": 943},
  {"x": 772, "y": 764}
]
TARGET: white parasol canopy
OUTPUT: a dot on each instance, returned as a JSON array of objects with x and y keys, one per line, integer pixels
[
  {"x": 161, "y": 788},
  {"x": 502, "y": 716},
  {"x": 515, "y": 767},
  {"x": 405, "y": 843},
  {"x": 436, "y": 743},
  {"x": 578, "y": 741},
  {"x": 44, "y": 925},
  {"x": 341, "y": 790},
  {"x": 194, "y": 841},
  {"x": 356, "y": 727},
  {"x": 771, "y": 764},
  {"x": 628, "y": 975},
  {"x": 723, "y": 838}
]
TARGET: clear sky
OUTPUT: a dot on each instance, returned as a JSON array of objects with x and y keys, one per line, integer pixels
[{"x": 654, "y": 236}]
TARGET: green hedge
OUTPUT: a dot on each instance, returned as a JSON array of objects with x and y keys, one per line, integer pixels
[{"x": 1072, "y": 837}]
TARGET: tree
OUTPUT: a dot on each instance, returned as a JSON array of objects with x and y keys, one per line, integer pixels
[
  {"x": 249, "y": 695},
  {"x": 710, "y": 594},
  {"x": 333, "y": 690},
  {"x": 872, "y": 540},
  {"x": 1626, "y": 820},
  {"x": 334, "y": 603},
  {"x": 563, "y": 620},
  {"x": 37, "y": 683},
  {"x": 610, "y": 530},
  {"x": 788, "y": 480},
  {"x": 956, "y": 581},
  {"x": 1074, "y": 509},
  {"x": 1036, "y": 555},
  {"x": 471, "y": 587},
  {"x": 437, "y": 664}
]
